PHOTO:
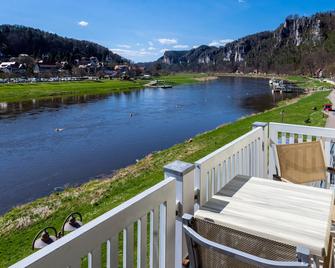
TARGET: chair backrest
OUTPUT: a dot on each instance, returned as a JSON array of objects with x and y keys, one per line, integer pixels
[
  {"x": 210, "y": 245},
  {"x": 301, "y": 162}
]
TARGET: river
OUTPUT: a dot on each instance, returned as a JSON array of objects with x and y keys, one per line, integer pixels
[{"x": 47, "y": 145}]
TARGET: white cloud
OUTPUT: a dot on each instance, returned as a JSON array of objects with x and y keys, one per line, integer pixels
[
  {"x": 163, "y": 50},
  {"x": 180, "y": 46},
  {"x": 196, "y": 46},
  {"x": 220, "y": 43},
  {"x": 124, "y": 46},
  {"x": 83, "y": 23},
  {"x": 151, "y": 48},
  {"x": 150, "y": 43},
  {"x": 131, "y": 53},
  {"x": 167, "y": 41}
]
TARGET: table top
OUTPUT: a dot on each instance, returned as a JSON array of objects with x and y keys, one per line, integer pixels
[{"x": 288, "y": 213}]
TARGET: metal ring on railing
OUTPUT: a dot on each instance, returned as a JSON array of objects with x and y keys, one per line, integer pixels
[
  {"x": 71, "y": 219},
  {"x": 46, "y": 239}
]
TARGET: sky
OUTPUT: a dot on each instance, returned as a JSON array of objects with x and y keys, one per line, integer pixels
[{"x": 143, "y": 30}]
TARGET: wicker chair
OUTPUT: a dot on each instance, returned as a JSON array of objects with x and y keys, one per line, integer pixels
[
  {"x": 302, "y": 163},
  {"x": 210, "y": 246}
]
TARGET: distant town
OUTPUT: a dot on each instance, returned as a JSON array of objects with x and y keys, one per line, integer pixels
[{"x": 25, "y": 69}]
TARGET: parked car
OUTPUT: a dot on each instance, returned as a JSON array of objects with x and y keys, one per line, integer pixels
[{"x": 328, "y": 107}]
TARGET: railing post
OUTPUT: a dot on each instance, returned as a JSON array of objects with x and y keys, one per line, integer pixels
[
  {"x": 264, "y": 156},
  {"x": 273, "y": 138},
  {"x": 184, "y": 174},
  {"x": 327, "y": 149}
]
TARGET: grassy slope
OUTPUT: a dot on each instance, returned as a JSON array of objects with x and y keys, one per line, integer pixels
[
  {"x": 21, "y": 92},
  {"x": 18, "y": 227}
]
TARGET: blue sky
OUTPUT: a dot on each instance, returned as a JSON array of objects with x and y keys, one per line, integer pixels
[{"x": 143, "y": 30}]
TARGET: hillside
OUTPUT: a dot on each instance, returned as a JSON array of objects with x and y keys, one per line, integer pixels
[
  {"x": 299, "y": 45},
  {"x": 15, "y": 40}
]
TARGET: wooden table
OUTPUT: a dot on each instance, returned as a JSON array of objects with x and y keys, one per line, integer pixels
[{"x": 288, "y": 213}]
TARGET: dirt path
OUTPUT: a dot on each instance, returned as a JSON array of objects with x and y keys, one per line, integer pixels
[
  {"x": 207, "y": 78},
  {"x": 331, "y": 115}
]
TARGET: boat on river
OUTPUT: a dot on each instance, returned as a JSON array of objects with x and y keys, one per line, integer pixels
[
  {"x": 166, "y": 86},
  {"x": 158, "y": 84},
  {"x": 281, "y": 86},
  {"x": 278, "y": 83}
]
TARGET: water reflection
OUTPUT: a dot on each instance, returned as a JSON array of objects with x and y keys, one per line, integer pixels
[
  {"x": 15, "y": 108},
  {"x": 261, "y": 102}
]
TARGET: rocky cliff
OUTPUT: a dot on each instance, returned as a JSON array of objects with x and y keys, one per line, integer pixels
[{"x": 299, "y": 45}]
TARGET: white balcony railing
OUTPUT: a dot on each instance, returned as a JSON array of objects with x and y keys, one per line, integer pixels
[
  {"x": 157, "y": 204},
  {"x": 243, "y": 156},
  {"x": 164, "y": 203}
]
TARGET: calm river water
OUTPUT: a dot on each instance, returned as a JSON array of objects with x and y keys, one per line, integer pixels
[{"x": 100, "y": 134}]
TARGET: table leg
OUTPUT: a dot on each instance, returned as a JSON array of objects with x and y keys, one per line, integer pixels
[{"x": 328, "y": 260}]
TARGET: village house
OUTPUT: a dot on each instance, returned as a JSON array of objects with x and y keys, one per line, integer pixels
[
  {"x": 41, "y": 68},
  {"x": 9, "y": 66},
  {"x": 91, "y": 65},
  {"x": 85, "y": 62},
  {"x": 121, "y": 68},
  {"x": 107, "y": 71},
  {"x": 94, "y": 61},
  {"x": 136, "y": 70}
]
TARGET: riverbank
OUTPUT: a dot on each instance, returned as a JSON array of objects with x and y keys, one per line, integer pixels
[
  {"x": 301, "y": 81},
  {"x": 26, "y": 92},
  {"x": 18, "y": 227},
  {"x": 34, "y": 91},
  {"x": 308, "y": 83}
]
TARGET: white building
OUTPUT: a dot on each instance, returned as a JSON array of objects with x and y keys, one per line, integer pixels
[{"x": 9, "y": 66}]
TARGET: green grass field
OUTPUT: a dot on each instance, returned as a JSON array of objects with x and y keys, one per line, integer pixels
[
  {"x": 23, "y": 92},
  {"x": 19, "y": 226},
  {"x": 308, "y": 82}
]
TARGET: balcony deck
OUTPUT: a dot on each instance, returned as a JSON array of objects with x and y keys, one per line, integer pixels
[{"x": 148, "y": 227}]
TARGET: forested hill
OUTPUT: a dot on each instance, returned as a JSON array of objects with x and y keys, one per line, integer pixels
[
  {"x": 299, "y": 45},
  {"x": 15, "y": 40}
]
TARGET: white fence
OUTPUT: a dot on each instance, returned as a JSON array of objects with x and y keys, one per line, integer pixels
[
  {"x": 246, "y": 155},
  {"x": 288, "y": 134},
  {"x": 157, "y": 203}
]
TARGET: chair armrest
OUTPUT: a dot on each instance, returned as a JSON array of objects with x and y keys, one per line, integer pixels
[
  {"x": 278, "y": 178},
  {"x": 331, "y": 170},
  {"x": 285, "y": 180},
  {"x": 191, "y": 235}
]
